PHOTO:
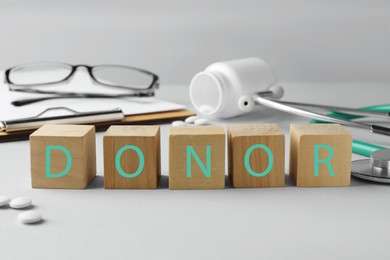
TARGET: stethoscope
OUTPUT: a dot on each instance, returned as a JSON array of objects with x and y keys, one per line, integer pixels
[
  {"x": 233, "y": 90},
  {"x": 288, "y": 107}
]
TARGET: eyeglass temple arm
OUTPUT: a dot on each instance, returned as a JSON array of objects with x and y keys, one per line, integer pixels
[{"x": 28, "y": 101}]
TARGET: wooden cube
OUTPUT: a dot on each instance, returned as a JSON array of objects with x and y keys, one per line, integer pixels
[
  {"x": 197, "y": 157},
  {"x": 256, "y": 156},
  {"x": 320, "y": 155},
  {"x": 132, "y": 157},
  {"x": 63, "y": 156}
]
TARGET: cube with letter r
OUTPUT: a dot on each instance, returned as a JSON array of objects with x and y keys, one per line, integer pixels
[
  {"x": 320, "y": 155},
  {"x": 63, "y": 156}
]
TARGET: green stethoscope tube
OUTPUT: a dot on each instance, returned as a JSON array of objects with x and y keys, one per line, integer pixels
[
  {"x": 360, "y": 147},
  {"x": 365, "y": 149}
]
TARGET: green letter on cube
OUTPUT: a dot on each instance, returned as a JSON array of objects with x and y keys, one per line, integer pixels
[
  {"x": 270, "y": 160},
  {"x": 118, "y": 161},
  {"x": 206, "y": 170},
  {"x": 326, "y": 161},
  {"x": 48, "y": 158}
]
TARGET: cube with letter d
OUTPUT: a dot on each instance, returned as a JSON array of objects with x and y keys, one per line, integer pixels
[
  {"x": 197, "y": 157},
  {"x": 256, "y": 156},
  {"x": 63, "y": 156},
  {"x": 132, "y": 157},
  {"x": 320, "y": 155}
]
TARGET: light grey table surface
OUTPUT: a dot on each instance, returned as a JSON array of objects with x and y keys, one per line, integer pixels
[{"x": 272, "y": 223}]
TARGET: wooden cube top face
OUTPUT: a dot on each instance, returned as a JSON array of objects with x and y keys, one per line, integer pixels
[
  {"x": 147, "y": 139},
  {"x": 196, "y": 130},
  {"x": 304, "y": 138},
  {"x": 319, "y": 129},
  {"x": 198, "y": 137},
  {"x": 63, "y": 130},
  {"x": 241, "y": 138},
  {"x": 141, "y": 131},
  {"x": 78, "y": 140},
  {"x": 255, "y": 130}
]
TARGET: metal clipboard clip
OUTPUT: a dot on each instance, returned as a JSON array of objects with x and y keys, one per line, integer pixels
[{"x": 37, "y": 121}]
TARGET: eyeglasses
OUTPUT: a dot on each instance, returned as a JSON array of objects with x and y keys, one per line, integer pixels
[{"x": 39, "y": 77}]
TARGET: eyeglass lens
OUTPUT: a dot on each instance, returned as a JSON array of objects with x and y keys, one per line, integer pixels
[
  {"x": 39, "y": 73},
  {"x": 122, "y": 76}
]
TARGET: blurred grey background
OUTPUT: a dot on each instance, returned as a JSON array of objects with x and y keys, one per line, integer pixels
[{"x": 330, "y": 41}]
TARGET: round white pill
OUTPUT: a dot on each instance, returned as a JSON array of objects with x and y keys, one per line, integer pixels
[
  {"x": 4, "y": 200},
  {"x": 20, "y": 203},
  {"x": 29, "y": 217},
  {"x": 178, "y": 123},
  {"x": 206, "y": 109},
  {"x": 191, "y": 119},
  {"x": 201, "y": 121}
]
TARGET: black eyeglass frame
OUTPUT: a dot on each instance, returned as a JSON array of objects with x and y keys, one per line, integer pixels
[{"x": 148, "y": 91}]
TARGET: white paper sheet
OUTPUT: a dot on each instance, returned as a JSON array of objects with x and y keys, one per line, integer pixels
[{"x": 80, "y": 83}]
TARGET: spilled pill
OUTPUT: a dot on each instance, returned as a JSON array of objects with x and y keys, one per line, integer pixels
[
  {"x": 4, "y": 200},
  {"x": 20, "y": 203},
  {"x": 178, "y": 123},
  {"x": 201, "y": 121},
  {"x": 191, "y": 119},
  {"x": 206, "y": 109},
  {"x": 29, "y": 217}
]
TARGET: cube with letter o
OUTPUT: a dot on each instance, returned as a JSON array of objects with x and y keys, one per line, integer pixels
[
  {"x": 132, "y": 157},
  {"x": 256, "y": 155}
]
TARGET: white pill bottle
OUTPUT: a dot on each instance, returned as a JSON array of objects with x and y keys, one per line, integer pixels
[{"x": 226, "y": 89}]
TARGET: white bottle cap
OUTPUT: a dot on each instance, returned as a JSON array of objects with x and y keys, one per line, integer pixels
[{"x": 206, "y": 93}]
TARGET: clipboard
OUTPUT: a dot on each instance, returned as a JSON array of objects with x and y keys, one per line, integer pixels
[{"x": 154, "y": 118}]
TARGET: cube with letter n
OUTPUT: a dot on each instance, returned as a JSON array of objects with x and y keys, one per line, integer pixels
[
  {"x": 197, "y": 157},
  {"x": 63, "y": 156},
  {"x": 320, "y": 155}
]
